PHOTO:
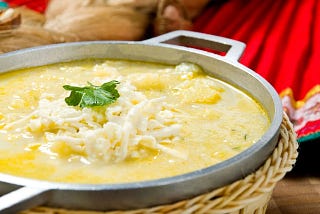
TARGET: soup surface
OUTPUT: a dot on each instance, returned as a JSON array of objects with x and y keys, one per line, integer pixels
[{"x": 168, "y": 120}]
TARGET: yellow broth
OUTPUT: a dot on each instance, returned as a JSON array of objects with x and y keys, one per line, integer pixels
[{"x": 217, "y": 121}]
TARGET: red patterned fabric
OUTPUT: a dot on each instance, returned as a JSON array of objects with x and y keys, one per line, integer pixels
[
  {"x": 304, "y": 114},
  {"x": 282, "y": 38},
  {"x": 37, "y": 5}
]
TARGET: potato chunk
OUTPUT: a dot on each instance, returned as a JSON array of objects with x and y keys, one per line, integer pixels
[
  {"x": 199, "y": 90},
  {"x": 148, "y": 81}
]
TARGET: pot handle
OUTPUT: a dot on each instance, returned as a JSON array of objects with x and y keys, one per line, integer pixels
[
  {"x": 22, "y": 199},
  {"x": 233, "y": 49}
]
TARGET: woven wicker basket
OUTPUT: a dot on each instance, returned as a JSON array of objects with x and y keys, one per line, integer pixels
[{"x": 249, "y": 195}]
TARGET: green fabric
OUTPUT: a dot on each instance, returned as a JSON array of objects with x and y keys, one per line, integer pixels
[
  {"x": 3, "y": 5},
  {"x": 309, "y": 137}
]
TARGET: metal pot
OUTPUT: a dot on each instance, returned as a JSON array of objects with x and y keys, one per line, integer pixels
[{"x": 25, "y": 193}]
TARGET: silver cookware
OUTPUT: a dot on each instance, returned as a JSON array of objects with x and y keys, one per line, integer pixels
[{"x": 19, "y": 193}]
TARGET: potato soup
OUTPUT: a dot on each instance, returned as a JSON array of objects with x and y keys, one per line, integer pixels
[{"x": 163, "y": 120}]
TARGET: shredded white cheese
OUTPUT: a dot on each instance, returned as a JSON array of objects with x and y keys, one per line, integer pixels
[{"x": 127, "y": 128}]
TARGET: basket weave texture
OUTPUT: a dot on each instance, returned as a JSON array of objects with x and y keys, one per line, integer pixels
[{"x": 248, "y": 195}]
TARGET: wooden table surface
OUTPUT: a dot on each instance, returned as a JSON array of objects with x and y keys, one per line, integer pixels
[{"x": 299, "y": 191}]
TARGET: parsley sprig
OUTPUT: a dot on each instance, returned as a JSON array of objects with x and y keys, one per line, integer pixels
[{"x": 91, "y": 95}]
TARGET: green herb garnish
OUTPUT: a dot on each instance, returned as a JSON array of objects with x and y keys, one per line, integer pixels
[{"x": 91, "y": 95}]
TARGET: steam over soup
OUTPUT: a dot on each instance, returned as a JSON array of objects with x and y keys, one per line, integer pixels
[{"x": 166, "y": 120}]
